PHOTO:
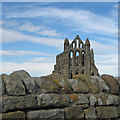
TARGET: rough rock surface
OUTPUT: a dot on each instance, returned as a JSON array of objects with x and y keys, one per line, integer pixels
[
  {"x": 13, "y": 85},
  {"x": 14, "y": 115},
  {"x": 53, "y": 96},
  {"x": 51, "y": 114},
  {"x": 112, "y": 83}
]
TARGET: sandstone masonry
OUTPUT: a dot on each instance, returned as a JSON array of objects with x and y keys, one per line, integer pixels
[{"x": 77, "y": 58}]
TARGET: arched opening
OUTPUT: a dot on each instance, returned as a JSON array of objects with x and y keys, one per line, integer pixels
[
  {"x": 92, "y": 74},
  {"x": 71, "y": 54},
  {"x": 80, "y": 45},
  {"x": 70, "y": 57},
  {"x": 76, "y": 73},
  {"x": 77, "y": 43},
  {"x": 83, "y": 55},
  {"x": 73, "y": 45},
  {"x": 77, "y": 53},
  {"x": 83, "y": 72}
]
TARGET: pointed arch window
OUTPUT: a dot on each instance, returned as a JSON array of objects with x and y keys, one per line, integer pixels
[
  {"x": 80, "y": 45},
  {"x": 73, "y": 45},
  {"x": 77, "y": 43},
  {"x": 71, "y": 54},
  {"x": 83, "y": 57},
  {"x": 77, "y": 53}
]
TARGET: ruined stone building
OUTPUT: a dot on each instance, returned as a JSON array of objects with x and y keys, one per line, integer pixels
[{"x": 76, "y": 58}]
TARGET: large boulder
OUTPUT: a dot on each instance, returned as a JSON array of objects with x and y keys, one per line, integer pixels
[
  {"x": 78, "y": 86},
  {"x": 92, "y": 84},
  {"x": 27, "y": 81},
  {"x": 112, "y": 83},
  {"x": 48, "y": 85},
  {"x": 101, "y": 84},
  {"x": 13, "y": 85}
]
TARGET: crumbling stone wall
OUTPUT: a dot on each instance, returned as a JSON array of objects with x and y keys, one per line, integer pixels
[
  {"x": 77, "y": 58},
  {"x": 54, "y": 96}
]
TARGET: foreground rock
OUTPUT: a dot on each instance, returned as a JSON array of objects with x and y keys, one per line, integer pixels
[
  {"x": 54, "y": 97},
  {"x": 112, "y": 83},
  {"x": 51, "y": 114}
]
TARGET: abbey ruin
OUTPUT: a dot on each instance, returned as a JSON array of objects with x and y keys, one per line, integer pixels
[{"x": 77, "y": 58}]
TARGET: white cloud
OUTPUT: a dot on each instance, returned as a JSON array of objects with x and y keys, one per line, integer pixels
[
  {"x": 83, "y": 20},
  {"x": 30, "y": 27},
  {"x": 21, "y": 53},
  {"x": 101, "y": 48},
  {"x": 43, "y": 60},
  {"x": 111, "y": 59},
  {"x": 108, "y": 69},
  {"x": 35, "y": 69},
  {"x": 10, "y": 23},
  {"x": 116, "y": 5},
  {"x": 15, "y": 36},
  {"x": 49, "y": 32}
]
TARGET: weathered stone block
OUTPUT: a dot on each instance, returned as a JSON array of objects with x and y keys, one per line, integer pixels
[
  {"x": 22, "y": 102},
  {"x": 2, "y": 86},
  {"x": 82, "y": 99},
  {"x": 14, "y": 115},
  {"x": 13, "y": 85},
  {"x": 78, "y": 86},
  {"x": 118, "y": 107},
  {"x": 93, "y": 100},
  {"x": 112, "y": 84},
  {"x": 90, "y": 113},
  {"x": 101, "y": 83},
  {"x": 74, "y": 112},
  {"x": 48, "y": 81},
  {"x": 107, "y": 112},
  {"x": 54, "y": 100},
  {"x": 50, "y": 114}
]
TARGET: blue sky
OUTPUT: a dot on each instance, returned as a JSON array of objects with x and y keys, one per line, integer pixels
[{"x": 33, "y": 34}]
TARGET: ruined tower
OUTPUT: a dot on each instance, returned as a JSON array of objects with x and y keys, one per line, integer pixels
[{"x": 77, "y": 58}]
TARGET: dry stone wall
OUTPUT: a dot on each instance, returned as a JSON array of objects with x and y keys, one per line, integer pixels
[{"x": 52, "y": 96}]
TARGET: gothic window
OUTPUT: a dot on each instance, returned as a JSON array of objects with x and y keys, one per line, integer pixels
[
  {"x": 77, "y": 53},
  {"x": 71, "y": 54},
  {"x": 77, "y": 43},
  {"x": 73, "y": 45},
  {"x": 70, "y": 58},
  {"x": 83, "y": 55},
  {"x": 80, "y": 45},
  {"x": 92, "y": 74}
]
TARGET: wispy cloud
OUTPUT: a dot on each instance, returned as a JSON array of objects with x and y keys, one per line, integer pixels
[
  {"x": 115, "y": 5},
  {"x": 21, "y": 53},
  {"x": 43, "y": 60},
  {"x": 88, "y": 22},
  {"x": 15, "y": 36},
  {"x": 31, "y": 28}
]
